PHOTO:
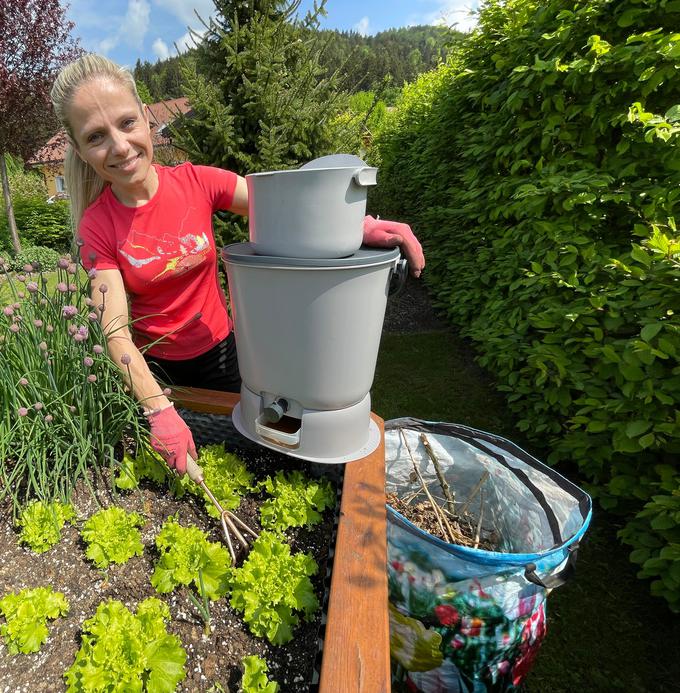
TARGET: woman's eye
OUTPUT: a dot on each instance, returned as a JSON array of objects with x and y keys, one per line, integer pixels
[
  {"x": 93, "y": 137},
  {"x": 129, "y": 122}
]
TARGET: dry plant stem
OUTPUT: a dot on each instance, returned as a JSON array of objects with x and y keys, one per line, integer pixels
[
  {"x": 441, "y": 518},
  {"x": 474, "y": 492},
  {"x": 481, "y": 515},
  {"x": 450, "y": 499}
]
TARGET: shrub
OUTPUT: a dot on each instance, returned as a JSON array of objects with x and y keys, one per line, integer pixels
[
  {"x": 39, "y": 224},
  {"x": 39, "y": 256},
  {"x": 540, "y": 168}
]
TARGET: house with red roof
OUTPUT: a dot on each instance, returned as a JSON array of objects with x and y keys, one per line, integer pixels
[{"x": 49, "y": 159}]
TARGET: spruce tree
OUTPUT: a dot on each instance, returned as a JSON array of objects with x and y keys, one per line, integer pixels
[{"x": 259, "y": 94}]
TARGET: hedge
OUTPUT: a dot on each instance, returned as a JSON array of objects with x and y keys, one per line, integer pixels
[{"x": 541, "y": 168}]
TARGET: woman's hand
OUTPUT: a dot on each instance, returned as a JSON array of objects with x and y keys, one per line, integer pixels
[
  {"x": 171, "y": 438},
  {"x": 381, "y": 233}
]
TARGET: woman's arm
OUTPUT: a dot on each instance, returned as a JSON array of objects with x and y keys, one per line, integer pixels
[
  {"x": 115, "y": 320},
  {"x": 239, "y": 205}
]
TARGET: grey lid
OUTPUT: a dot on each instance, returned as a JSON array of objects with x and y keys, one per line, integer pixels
[{"x": 244, "y": 254}]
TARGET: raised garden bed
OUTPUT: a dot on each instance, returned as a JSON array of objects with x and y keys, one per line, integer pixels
[{"x": 344, "y": 647}]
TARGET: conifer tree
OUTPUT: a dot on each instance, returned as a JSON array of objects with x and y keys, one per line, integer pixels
[{"x": 258, "y": 92}]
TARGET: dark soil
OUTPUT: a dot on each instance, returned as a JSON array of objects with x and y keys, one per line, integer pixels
[
  {"x": 411, "y": 310},
  {"x": 210, "y": 660}
]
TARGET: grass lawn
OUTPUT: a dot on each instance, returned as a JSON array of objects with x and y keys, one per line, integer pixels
[{"x": 605, "y": 632}]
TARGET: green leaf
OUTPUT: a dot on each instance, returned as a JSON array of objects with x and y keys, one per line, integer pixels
[
  {"x": 112, "y": 536},
  {"x": 650, "y": 331},
  {"x": 637, "y": 428}
]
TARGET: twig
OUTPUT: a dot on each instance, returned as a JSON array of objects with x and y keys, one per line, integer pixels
[
  {"x": 450, "y": 499},
  {"x": 441, "y": 518},
  {"x": 481, "y": 515},
  {"x": 475, "y": 490}
]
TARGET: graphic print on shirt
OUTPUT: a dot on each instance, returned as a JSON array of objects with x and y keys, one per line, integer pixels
[{"x": 170, "y": 255}]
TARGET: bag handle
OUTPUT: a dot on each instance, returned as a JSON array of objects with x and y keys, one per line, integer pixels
[{"x": 558, "y": 579}]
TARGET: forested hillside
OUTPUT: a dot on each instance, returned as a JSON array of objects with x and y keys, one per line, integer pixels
[{"x": 363, "y": 62}]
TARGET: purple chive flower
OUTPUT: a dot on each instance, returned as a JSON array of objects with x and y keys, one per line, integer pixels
[
  {"x": 21, "y": 294},
  {"x": 49, "y": 418},
  {"x": 72, "y": 329},
  {"x": 83, "y": 330},
  {"x": 92, "y": 274},
  {"x": 80, "y": 242},
  {"x": 167, "y": 391},
  {"x": 126, "y": 359},
  {"x": 49, "y": 329},
  {"x": 92, "y": 378},
  {"x": 77, "y": 337},
  {"x": 28, "y": 268},
  {"x": 38, "y": 323},
  {"x": 16, "y": 306},
  {"x": 38, "y": 406},
  {"x": 72, "y": 287},
  {"x": 32, "y": 287},
  {"x": 43, "y": 346},
  {"x": 89, "y": 302},
  {"x": 14, "y": 327},
  {"x": 43, "y": 301},
  {"x": 98, "y": 349},
  {"x": 22, "y": 411},
  {"x": 92, "y": 316},
  {"x": 72, "y": 409},
  {"x": 72, "y": 269},
  {"x": 23, "y": 381},
  {"x": 63, "y": 263},
  {"x": 88, "y": 361},
  {"x": 21, "y": 278},
  {"x": 8, "y": 310},
  {"x": 17, "y": 318},
  {"x": 103, "y": 288},
  {"x": 69, "y": 312},
  {"x": 62, "y": 288}
]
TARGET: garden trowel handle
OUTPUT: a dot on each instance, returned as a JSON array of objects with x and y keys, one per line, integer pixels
[{"x": 194, "y": 471}]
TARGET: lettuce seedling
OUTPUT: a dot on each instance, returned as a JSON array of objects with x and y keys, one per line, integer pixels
[
  {"x": 26, "y": 615},
  {"x": 112, "y": 536},
  {"x": 271, "y": 586},
  {"x": 297, "y": 501},
  {"x": 187, "y": 557},
  {"x": 255, "y": 676},
  {"x": 41, "y": 524},
  {"x": 148, "y": 464},
  {"x": 122, "y": 651}
]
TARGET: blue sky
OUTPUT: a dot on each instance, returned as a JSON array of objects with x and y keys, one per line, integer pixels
[{"x": 125, "y": 30}]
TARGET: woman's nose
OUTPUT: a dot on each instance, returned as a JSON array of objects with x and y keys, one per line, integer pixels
[{"x": 119, "y": 143}]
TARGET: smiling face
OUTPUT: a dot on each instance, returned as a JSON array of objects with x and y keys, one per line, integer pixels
[{"x": 112, "y": 135}]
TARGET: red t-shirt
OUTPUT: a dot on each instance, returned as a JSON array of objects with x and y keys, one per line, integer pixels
[{"x": 165, "y": 251}]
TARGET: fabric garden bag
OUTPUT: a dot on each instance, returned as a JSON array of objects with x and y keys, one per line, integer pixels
[{"x": 468, "y": 619}]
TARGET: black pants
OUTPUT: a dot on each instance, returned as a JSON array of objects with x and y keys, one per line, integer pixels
[{"x": 217, "y": 369}]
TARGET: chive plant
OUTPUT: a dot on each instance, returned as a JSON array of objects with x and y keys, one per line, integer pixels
[{"x": 64, "y": 404}]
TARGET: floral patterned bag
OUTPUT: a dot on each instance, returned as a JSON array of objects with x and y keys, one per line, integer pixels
[{"x": 467, "y": 619}]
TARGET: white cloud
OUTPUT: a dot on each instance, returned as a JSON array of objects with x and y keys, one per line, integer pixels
[
  {"x": 362, "y": 26},
  {"x": 457, "y": 14},
  {"x": 184, "y": 11},
  {"x": 160, "y": 49},
  {"x": 107, "y": 45},
  {"x": 136, "y": 23}
]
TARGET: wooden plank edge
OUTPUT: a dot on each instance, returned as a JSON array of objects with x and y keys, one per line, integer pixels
[{"x": 356, "y": 654}]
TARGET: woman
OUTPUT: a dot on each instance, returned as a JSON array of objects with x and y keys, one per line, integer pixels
[{"x": 146, "y": 230}]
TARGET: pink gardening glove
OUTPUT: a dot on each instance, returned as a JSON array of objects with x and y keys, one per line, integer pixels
[
  {"x": 171, "y": 438},
  {"x": 381, "y": 233}
]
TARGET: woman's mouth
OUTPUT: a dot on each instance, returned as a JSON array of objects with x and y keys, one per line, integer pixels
[{"x": 128, "y": 164}]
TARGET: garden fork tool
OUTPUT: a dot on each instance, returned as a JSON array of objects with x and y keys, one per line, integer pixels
[{"x": 228, "y": 519}]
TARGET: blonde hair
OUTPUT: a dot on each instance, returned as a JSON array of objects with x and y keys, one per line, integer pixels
[{"x": 83, "y": 184}]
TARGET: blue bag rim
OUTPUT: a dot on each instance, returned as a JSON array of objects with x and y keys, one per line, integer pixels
[{"x": 484, "y": 556}]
